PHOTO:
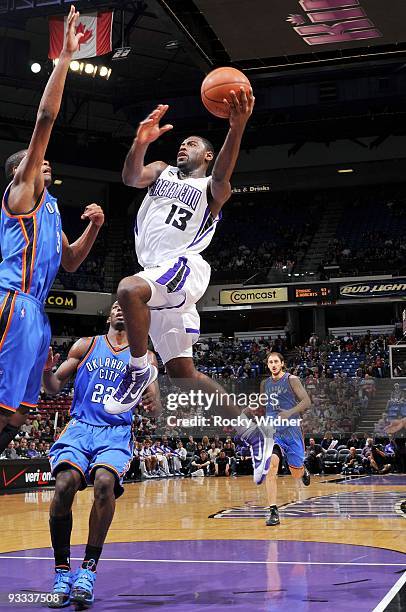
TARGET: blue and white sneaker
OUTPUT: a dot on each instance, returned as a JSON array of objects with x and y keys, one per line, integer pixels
[
  {"x": 260, "y": 441},
  {"x": 129, "y": 392},
  {"x": 62, "y": 588},
  {"x": 83, "y": 586}
]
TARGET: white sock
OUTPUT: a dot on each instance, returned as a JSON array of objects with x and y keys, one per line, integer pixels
[{"x": 141, "y": 363}]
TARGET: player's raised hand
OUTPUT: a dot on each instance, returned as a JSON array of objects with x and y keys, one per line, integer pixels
[
  {"x": 94, "y": 213},
  {"x": 240, "y": 106},
  {"x": 72, "y": 38},
  {"x": 149, "y": 129},
  {"x": 52, "y": 360}
]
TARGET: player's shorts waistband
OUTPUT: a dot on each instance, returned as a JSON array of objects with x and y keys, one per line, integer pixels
[
  {"x": 23, "y": 296},
  {"x": 168, "y": 262}
]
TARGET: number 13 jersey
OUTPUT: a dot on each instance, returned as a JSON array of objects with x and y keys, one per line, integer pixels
[{"x": 174, "y": 219}]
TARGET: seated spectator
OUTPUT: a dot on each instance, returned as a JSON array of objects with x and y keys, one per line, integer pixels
[
  {"x": 191, "y": 447},
  {"x": 10, "y": 452},
  {"x": 26, "y": 428},
  {"x": 222, "y": 465},
  {"x": 353, "y": 463},
  {"x": 354, "y": 441},
  {"x": 213, "y": 452},
  {"x": 22, "y": 450},
  {"x": 147, "y": 460},
  {"x": 367, "y": 458},
  {"x": 179, "y": 459},
  {"x": 230, "y": 453},
  {"x": 32, "y": 452},
  {"x": 160, "y": 456},
  {"x": 200, "y": 465},
  {"x": 381, "y": 460},
  {"x": 328, "y": 442},
  {"x": 313, "y": 460}
]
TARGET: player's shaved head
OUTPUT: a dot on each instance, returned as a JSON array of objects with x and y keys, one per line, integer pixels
[{"x": 13, "y": 162}]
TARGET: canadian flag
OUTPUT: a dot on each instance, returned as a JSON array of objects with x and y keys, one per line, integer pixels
[{"x": 96, "y": 40}]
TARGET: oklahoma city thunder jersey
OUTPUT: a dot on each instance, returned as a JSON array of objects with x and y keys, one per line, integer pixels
[
  {"x": 98, "y": 376},
  {"x": 174, "y": 219},
  {"x": 280, "y": 396},
  {"x": 31, "y": 246}
]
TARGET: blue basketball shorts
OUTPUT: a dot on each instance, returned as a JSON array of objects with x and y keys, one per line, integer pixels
[
  {"x": 290, "y": 441},
  {"x": 87, "y": 447},
  {"x": 25, "y": 335}
]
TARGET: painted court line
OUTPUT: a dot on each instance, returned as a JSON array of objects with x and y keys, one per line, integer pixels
[
  {"x": 227, "y": 561},
  {"x": 390, "y": 594}
]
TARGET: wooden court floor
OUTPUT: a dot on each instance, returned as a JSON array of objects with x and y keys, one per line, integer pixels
[
  {"x": 201, "y": 545},
  {"x": 179, "y": 509}
]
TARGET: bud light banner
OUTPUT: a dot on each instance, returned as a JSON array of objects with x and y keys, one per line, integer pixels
[
  {"x": 290, "y": 27},
  {"x": 394, "y": 287}
]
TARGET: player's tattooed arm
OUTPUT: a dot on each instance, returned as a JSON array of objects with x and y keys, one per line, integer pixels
[
  {"x": 74, "y": 254},
  {"x": 135, "y": 173},
  {"x": 28, "y": 182},
  {"x": 219, "y": 189},
  {"x": 304, "y": 401},
  {"x": 54, "y": 382}
]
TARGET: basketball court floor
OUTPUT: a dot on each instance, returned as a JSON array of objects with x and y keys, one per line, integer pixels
[{"x": 201, "y": 545}]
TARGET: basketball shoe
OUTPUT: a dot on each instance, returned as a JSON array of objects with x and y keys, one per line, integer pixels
[
  {"x": 306, "y": 476},
  {"x": 62, "y": 587},
  {"x": 83, "y": 585},
  {"x": 273, "y": 518},
  {"x": 260, "y": 441},
  {"x": 129, "y": 392}
]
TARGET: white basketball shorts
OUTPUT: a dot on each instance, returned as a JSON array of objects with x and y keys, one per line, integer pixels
[{"x": 176, "y": 286}]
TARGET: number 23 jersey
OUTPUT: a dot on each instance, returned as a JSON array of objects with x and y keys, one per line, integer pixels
[
  {"x": 174, "y": 219},
  {"x": 97, "y": 377}
]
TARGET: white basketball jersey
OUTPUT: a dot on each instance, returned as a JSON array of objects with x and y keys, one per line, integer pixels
[{"x": 174, "y": 219}]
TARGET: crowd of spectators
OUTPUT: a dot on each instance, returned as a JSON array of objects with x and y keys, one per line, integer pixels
[
  {"x": 90, "y": 276},
  {"x": 358, "y": 455},
  {"x": 169, "y": 457},
  {"x": 369, "y": 236},
  {"x": 34, "y": 439},
  {"x": 276, "y": 241}
]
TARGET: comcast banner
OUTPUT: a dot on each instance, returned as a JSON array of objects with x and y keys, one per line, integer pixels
[
  {"x": 395, "y": 287},
  {"x": 254, "y": 295}
]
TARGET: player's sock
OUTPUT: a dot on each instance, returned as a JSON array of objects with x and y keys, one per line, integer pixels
[
  {"x": 141, "y": 363},
  {"x": 9, "y": 433},
  {"x": 61, "y": 529},
  {"x": 92, "y": 553}
]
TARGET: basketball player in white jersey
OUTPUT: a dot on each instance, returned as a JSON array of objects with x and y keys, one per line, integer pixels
[{"x": 175, "y": 223}]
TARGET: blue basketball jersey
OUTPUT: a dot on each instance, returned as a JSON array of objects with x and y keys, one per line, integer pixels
[
  {"x": 98, "y": 376},
  {"x": 31, "y": 246},
  {"x": 280, "y": 395}
]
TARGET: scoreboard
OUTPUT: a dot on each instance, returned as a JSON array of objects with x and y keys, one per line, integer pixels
[{"x": 313, "y": 293}]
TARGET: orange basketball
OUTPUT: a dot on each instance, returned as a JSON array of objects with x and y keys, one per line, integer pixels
[{"x": 217, "y": 86}]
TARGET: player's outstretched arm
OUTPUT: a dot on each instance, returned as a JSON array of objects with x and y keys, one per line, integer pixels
[
  {"x": 74, "y": 254},
  {"x": 241, "y": 107},
  {"x": 135, "y": 174},
  {"x": 54, "y": 382},
  {"x": 28, "y": 182}
]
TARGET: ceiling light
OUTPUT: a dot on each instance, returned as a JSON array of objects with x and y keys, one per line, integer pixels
[
  {"x": 74, "y": 66},
  {"x": 89, "y": 68},
  {"x": 345, "y": 171},
  {"x": 57, "y": 182},
  {"x": 35, "y": 67}
]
